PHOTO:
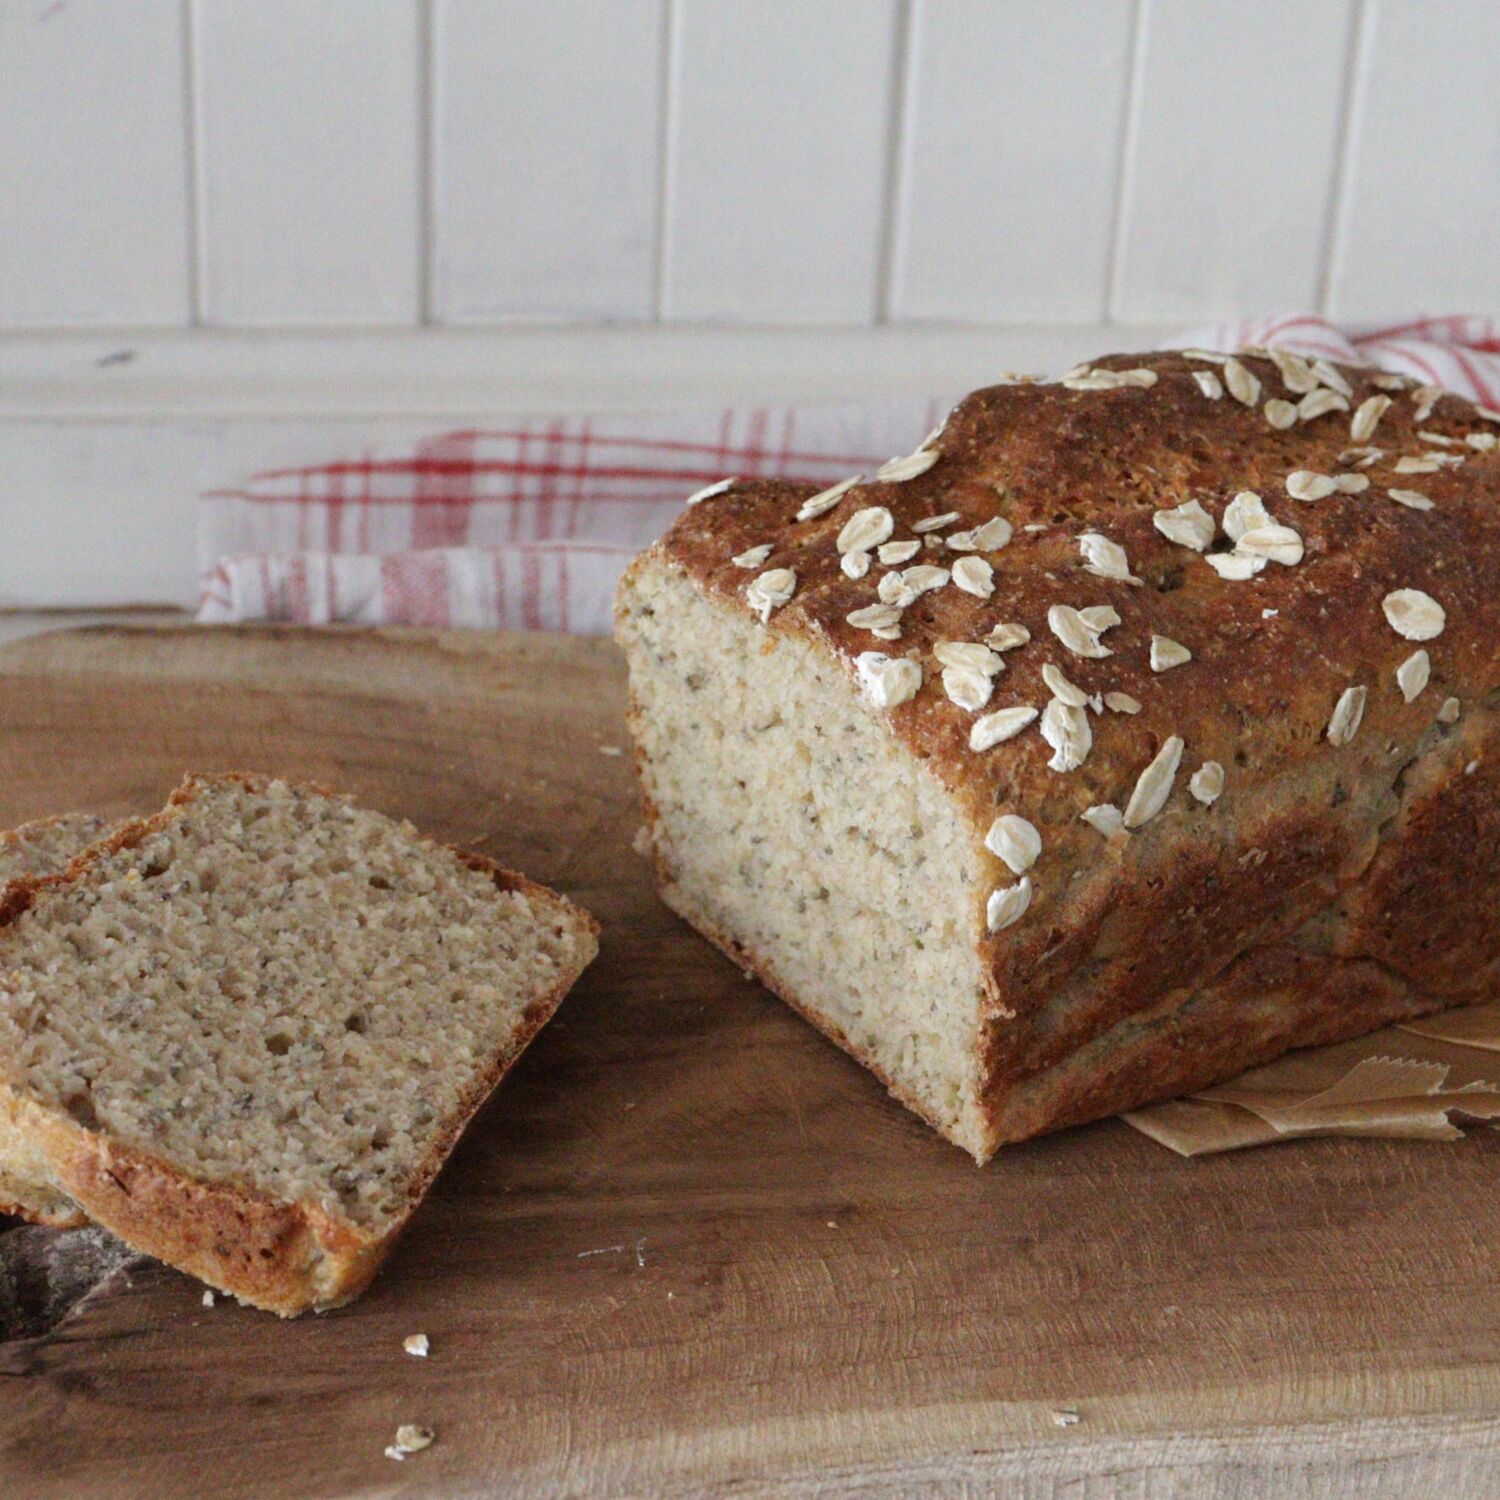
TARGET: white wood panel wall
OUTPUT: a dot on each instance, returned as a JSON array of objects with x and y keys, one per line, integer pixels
[
  {"x": 1006, "y": 199},
  {"x": 784, "y": 198},
  {"x": 546, "y": 156},
  {"x": 93, "y": 164},
  {"x": 393, "y": 163},
  {"x": 1232, "y": 146},
  {"x": 776, "y": 160},
  {"x": 1422, "y": 185},
  {"x": 308, "y": 151}
]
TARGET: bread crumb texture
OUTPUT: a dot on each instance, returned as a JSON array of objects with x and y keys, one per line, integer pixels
[
  {"x": 793, "y": 828},
  {"x": 46, "y": 846},
  {"x": 276, "y": 990}
]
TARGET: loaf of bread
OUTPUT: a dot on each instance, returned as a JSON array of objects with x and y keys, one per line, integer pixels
[
  {"x": 1138, "y": 727},
  {"x": 245, "y": 1033}
]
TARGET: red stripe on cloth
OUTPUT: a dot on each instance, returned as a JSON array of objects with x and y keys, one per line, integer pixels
[
  {"x": 723, "y": 449},
  {"x": 788, "y": 419},
  {"x": 1323, "y": 346},
  {"x": 302, "y": 505},
  {"x": 299, "y": 597},
  {"x": 1280, "y": 326},
  {"x": 415, "y": 589},
  {"x": 1394, "y": 331},
  {"x": 1451, "y": 328},
  {"x": 426, "y": 464},
  {"x": 531, "y": 586},
  {"x": 333, "y": 534},
  {"x": 721, "y": 453},
  {"x": 444, "y": 494},
  {"x": 517, "y": 489},
  {"x": 755, "y": 442},
  {"x": 1481, "y": 386},
  {"x": 366, "y": 472},
  {"x": 575, "y": 502},
  {"x": 546, "y": 496},
  {"x": 1424, "y": 365},
  {"x": 563, "y": 588},
  {"x": 497, "y": 573},
  {"x": 673, "y": 496},
  {"x": 216, "y": 588},
  {"x": 734, "y": 454}
]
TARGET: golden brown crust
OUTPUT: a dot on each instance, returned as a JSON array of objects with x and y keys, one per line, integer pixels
[
  {"x": 29, "y": 1201},
  {"x": 25, "y": 1190},
  {"x": 285, "y": 1257},
  {"x": 1376, "y": 842}
]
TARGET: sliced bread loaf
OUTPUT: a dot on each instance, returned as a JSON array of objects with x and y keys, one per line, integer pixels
[
  {"x": 40, "y": 848},
  {"x": 245, "y": 1033}
]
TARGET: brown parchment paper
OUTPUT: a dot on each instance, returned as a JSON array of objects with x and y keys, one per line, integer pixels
[{"x": 1417, "y": 1081}]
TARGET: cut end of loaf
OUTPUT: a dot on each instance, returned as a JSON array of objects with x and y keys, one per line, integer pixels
[
  {"x": 274, "y": 1006},
  {"x": 792, "y": 830}
]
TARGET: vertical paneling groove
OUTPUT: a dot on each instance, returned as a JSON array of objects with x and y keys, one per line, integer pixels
[
  {"x": 1336, "y": 205},
  {"x": 1130, "y": 124},
  {"x": 1419, "y": 230},
  {"x": 1229, "y": 171},
  {"x": 191, "y": 185},
  {"x": 781, "y": 119},
  {"x": 426, "y": 112},
  {"x": 1011, "y": 154},
  {"x": 666, "y": 125},
  {"x": 903, "y": 43}
]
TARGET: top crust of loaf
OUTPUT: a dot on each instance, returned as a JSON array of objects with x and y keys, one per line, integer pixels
[
  {"x": 283, "y": 1254},
  {"x": 1272, "y": 656}
]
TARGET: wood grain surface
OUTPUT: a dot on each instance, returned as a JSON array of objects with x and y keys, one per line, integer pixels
[{"x": 689, "y": 1247}]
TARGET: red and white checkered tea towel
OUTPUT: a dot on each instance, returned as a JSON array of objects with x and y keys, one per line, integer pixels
[{"x": 529, "y": 527}]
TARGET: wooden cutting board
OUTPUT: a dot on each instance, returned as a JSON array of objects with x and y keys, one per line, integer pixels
[{"x": 690, "y": 1245}]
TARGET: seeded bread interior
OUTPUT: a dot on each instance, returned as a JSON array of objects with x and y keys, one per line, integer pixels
[
  {"x": 41, "y": 848},
  {"x": 46, "y": 846},
  {"x": 245, "y": 1033}
]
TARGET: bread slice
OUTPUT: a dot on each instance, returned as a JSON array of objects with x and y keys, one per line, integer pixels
[
  {"x": 245, "y": 1033},
  {"x": 1122, "y": 737},
  {"x": 41, "y": 848}
]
